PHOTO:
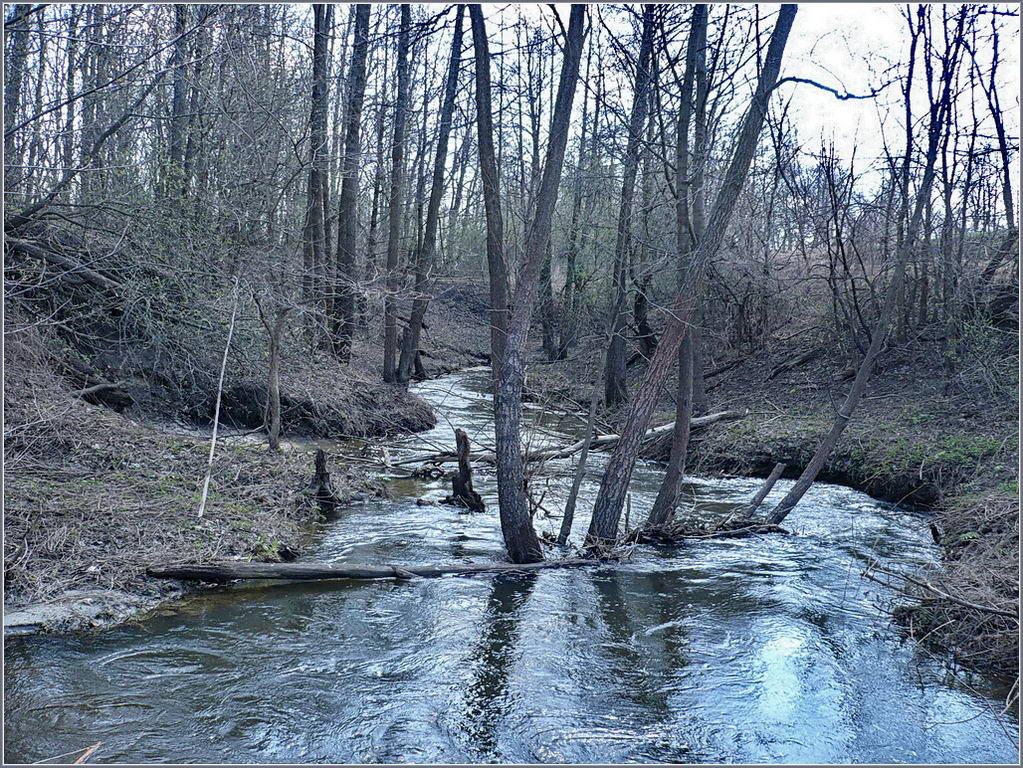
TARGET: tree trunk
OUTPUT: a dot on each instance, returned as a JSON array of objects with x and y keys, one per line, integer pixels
[
  {"x": 570, "y": 300},
  {"x": 516, "y": 525},
  {"x": 346, "y": 281},
  {"x": 686, "y": 239},
  {"x": 618, "y": 473},
  {"x": 580, "y": 471},
  {"x": 396, "y": 200},
  {"x": 614, "y": 368},
  {"x": 491, "y": 194},
  {"x": 426, "y": 256},
  {"x": 314, "y": 237},
  {"x": 462, "y": 492}
]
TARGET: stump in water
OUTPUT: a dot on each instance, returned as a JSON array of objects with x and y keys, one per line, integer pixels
[
  {"x": 320, "y": 487},
  {"x": 462, "y": 493}
]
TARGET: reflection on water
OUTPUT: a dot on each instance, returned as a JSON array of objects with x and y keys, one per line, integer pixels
[{"x": 768, "y": 649}]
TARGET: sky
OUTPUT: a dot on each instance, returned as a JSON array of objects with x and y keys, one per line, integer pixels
[{"x": 847, "y": 46}]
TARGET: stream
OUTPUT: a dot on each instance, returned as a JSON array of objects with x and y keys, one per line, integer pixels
[{"x": 757, "y": 650}]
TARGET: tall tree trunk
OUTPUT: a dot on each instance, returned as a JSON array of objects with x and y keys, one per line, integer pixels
[
  {"x": 426, "y": 256},
  {"x": 570, "y": 296},
  {"x": 15, "y": 57},
  {"x": 686, "y": 239},
  {"x": 491, "y": 194},
  {"x": 346, "y": 280},
  {"x": 516, "y": 525},
  {"x": 618, "y": 473},
  {"x": 938, "y": 114},
  {"x": 179, "y": 93},
  {"x": 396, "y": 200},
  {"x": 614, "y": 368},
  {"x": 313, "y": 237},
  {"x": 371, "y": 266}
]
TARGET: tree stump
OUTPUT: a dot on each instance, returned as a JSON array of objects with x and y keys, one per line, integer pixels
[
  {"x": 462, "y": 493},
  {"x": 320, "y": 487}
]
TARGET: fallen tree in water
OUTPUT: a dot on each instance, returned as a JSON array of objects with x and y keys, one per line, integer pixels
[
  {"x": 324, "y": 571},
  {"x": 563, "y": 453}
]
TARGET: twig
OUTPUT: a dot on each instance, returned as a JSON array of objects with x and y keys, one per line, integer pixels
[
  {"x": 220, "y": 391},
  {"x": 940, "y": 593}
]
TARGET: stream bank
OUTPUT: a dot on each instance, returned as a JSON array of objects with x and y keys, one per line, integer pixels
[
  {"x": 93, "y": 496},
  {"x": 953, "y": 452}
]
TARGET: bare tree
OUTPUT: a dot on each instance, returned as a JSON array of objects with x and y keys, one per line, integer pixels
[
  {"x": 396, "y": 198},
  {"x": 346, "y": 281},
  {"x": 618, "y": 473},
  {"x": 516, "y": 525}
]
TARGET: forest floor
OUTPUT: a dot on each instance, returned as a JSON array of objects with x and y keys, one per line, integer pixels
[
  {"x": 910, "y": 441},
  {"x": 93, "y": 497}
]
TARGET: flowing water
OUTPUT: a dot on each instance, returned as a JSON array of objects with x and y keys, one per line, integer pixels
[{"x": 768, "y": 649}]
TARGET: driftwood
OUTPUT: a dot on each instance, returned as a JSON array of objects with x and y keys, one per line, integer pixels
[
  {"x": 675, "y": 532},
  {"x": 759, "y": 496},
  {"x": 462, "y": 492},
  {"x": 563, "y": 453},
  {"x": 323, "y": 571},
  {"x": 793, "y": 362}
]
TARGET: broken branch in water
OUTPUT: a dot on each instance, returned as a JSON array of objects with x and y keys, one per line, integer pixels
[{"x": 563, "y": 453}]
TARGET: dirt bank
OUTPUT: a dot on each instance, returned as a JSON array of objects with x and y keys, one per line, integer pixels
[
  {"x": 93, "y": 496},
  {"x": 952, "y": 451}
]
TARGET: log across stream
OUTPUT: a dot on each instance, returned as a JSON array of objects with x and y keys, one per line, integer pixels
[{"x": 762, "y": 649}]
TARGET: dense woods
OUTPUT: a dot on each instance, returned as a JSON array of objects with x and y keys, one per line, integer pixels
[{"x": 278, "y": 216}]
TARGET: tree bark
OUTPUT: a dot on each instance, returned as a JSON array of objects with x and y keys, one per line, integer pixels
[
  {"x": 491, "y": 193},
  {"x": 618, "y": 473},
  {"x": 396, "y": 200},
  {"x": 516, "y": 525},
  {"x": 426, "y": 256}
]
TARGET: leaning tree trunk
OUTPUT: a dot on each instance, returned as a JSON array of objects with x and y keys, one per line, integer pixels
[
  {"x": 938, "y": 114},
  {"x": 516, "y": 524},
  {"x": 425, "y": 257},
  {"x": 618, "y": 473}
]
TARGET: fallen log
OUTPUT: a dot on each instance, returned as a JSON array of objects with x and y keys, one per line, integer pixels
[
  {"x": 794, "y": 362},
  {"x": 563, "y": 453},
  {"x": 324, "y": 571}
]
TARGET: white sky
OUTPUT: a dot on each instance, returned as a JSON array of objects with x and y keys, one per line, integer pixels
[{"x": 848, "y": 46}]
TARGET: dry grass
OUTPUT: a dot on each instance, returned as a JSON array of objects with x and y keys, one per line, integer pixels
[
  {"x": 91, "y": 498},
  {"x": 963, "y": 605}
]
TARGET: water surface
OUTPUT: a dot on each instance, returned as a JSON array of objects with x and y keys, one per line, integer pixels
[{"x": 768, "y": 649}]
